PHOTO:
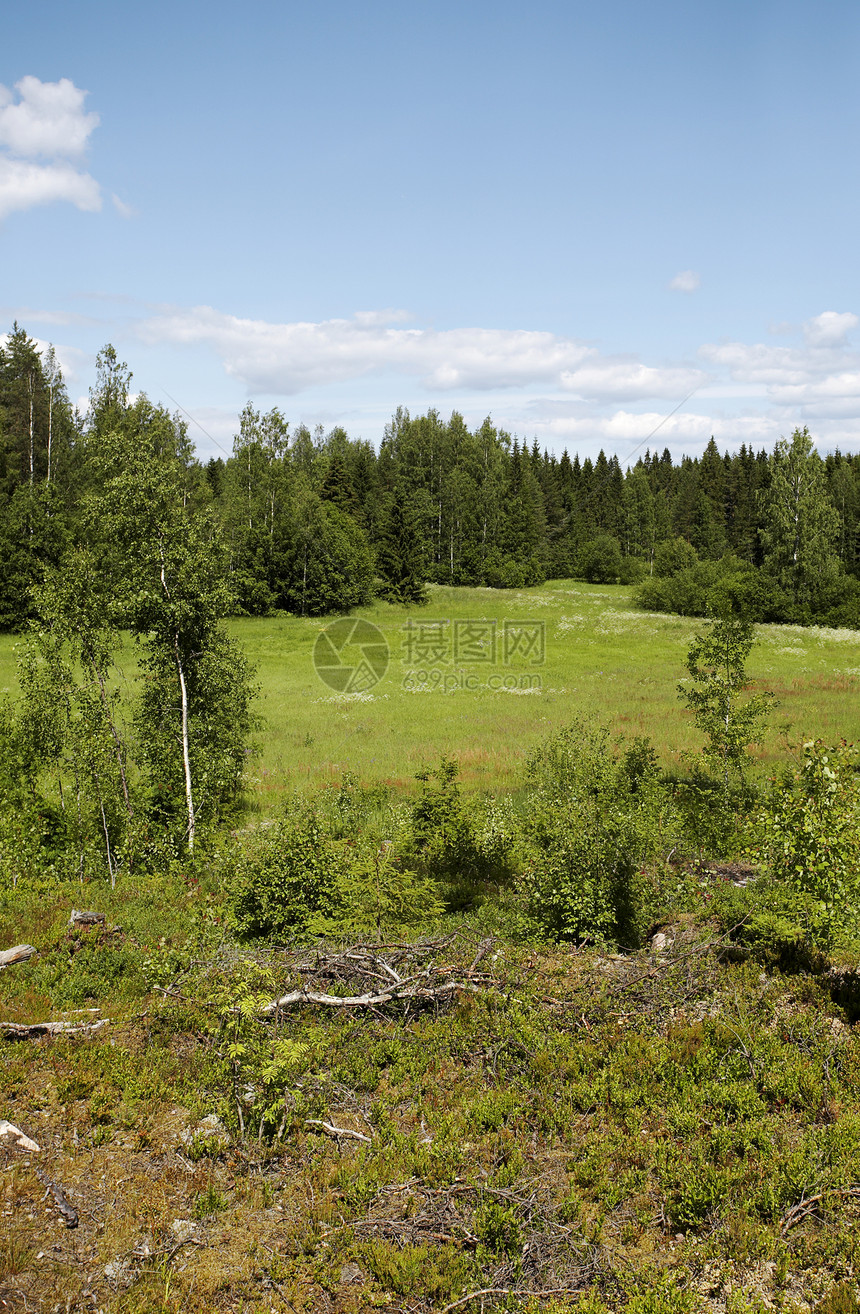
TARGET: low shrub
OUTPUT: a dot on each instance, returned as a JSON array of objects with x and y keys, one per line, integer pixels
[
  {"x": 301, "y": 882},
  {"x": 594, "y": 818}
]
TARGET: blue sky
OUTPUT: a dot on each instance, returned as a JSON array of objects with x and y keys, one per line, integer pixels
[{"x": 568, "y": 216}]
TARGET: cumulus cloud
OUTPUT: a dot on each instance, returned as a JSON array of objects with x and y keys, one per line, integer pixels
[
  {"x": 685, "y": 281},
  {"x": 625, "y": 379},
  {"x": 820, "y": 378},
  {"x": 288, "y": 358},
  {"x": 626, "y": 432},
  {"x": 24, "y": 185},
  {"x": 829, "y": 329},
  {"x": 47, "y": 119},
  {"x": 46, "y": 122}
]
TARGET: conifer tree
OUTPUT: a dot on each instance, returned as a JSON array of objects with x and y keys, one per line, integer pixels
[{"x": 400, "y": 560}]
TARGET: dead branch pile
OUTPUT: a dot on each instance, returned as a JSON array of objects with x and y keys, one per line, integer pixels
[
  {"x": 404, "y": 975},
  {"x": 555, "y": 1257}
]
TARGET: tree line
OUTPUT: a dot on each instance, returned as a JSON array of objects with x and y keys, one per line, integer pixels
[{"x": 319, "y": 522}]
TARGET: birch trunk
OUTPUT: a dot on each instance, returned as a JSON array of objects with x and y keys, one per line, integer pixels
[{"x": 186, "y": 757}]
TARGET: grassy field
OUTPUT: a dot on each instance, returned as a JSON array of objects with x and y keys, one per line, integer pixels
[{"x": 600, "y": 656}]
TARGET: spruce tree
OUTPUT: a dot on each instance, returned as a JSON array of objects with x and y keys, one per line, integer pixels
[{"x": 400, "y": 558}]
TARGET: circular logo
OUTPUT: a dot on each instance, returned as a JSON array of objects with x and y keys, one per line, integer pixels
[{"x": 350, "y": 655}]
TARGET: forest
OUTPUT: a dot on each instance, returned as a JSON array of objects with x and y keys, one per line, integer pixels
[{"x": 314, "y": 523}]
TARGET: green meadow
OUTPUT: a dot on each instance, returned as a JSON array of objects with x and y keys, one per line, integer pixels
[{"x": 488, "y": 708}]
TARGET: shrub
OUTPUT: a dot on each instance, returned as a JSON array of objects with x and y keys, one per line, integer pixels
[
  {"x": 301, "y": 882},
  {"x": 443, "y": 842},
  {"x": 594, "y": 819},
  {"x": 728, "y": 586},
  {"x": 291, "y": 876},
  {"x": 600, "y": 560},
  {"x": 811, "y": 833},
  {"x": 672, "y": 556}
]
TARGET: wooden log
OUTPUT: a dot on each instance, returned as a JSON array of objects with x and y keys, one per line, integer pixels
[
  {"x": 27, "y": 1030},
  {"x": 328, "y": 1129},
  {"x": 8, "y": 1129},
  {"x": 19, "y": 953},
  {"x": 372, "y": 1000},
  {"x": 80, "y": 917}
]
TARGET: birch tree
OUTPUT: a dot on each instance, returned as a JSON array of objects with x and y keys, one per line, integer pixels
[
  {"x": 800, "y": 529},
  {"x": 163, "y": 557}
]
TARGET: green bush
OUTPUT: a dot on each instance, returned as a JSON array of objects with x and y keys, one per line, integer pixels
[
  {"x": 811, "y": 834},
  {"x": 716, "y": 587},
  {"x": 301, "y": 882},
  {"x": 672, "y": 556},
  {"x": 444, "y": 842},
  {"x": 292, "y": 875},
  {"x": 601, "y": 561},
  {"x": 594, "y": 818}
]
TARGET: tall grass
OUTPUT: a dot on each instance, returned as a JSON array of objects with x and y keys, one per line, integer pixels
[{"x": 602, "y": 657}]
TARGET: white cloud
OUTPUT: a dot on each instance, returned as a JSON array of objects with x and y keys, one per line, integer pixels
[
  {"x": 830, "y": 328},
  {"x": 627, "y": 380},
  {"x": 685, "y": 281},
  {"x": 24, "y": 185},
  {"x": 372, "y": 318},
  {"x": 819, "y": 380},
  {"x": 47, "y": 120},
  {"x": 625, "y": 432},
  {"x": 289, "y": 358},
  {"x": 123, "y": 210},
  {"x": 62, "y": 318}
]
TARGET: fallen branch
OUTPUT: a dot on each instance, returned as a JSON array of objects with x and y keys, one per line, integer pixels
[
  {"x": 20, "y": 1138},
  {"x": 804, "y": 1208},
  {"x": 70, "y": 1215},
  {"x": 543, "y": 1294},
  {"x": 408, "y": 990},
  {"x": 19, "y": 953},
  {"x": 337, "y": 1132},
  {"x": 27, "y": 1030}
]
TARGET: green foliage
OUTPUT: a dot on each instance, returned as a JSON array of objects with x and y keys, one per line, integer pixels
[
  {"x": 219, "y": 692},
  {"x": 714, "y": 587},
  {"x": 290, "y": 875},
  {"x": 801, "y": 525},
  {"x": 376, "y": 895},
  {"x": 209, "y": 1203},
  {"x": 301, "y": 882},
  {"x": 449, "y": 840},
  {"x": 593, "y": 820},
  {"x": 716, "y": 661},
  {"x": 841, "y": 1299},
  {"x": 327, "y": 562},
  {"x": 672, "y": 556},
  {"x": 811, "y": 833},
  {"x": 400, "y": 552},
  {"x": 663, "y": 1296},
  {"x": 498, "y": 1228},
  {"x": 717, "y": 817},
  {"x": 601, "y": 561}
]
